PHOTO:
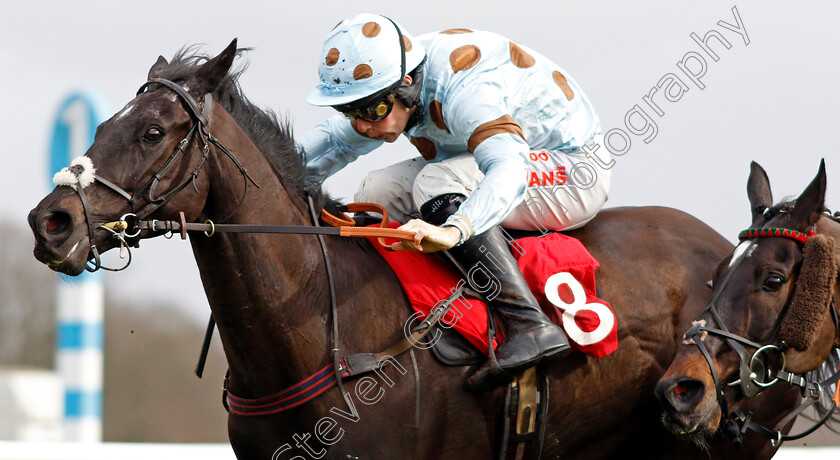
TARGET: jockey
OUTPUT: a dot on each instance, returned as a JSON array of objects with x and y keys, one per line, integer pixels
[{"x": 500, "y": 129}]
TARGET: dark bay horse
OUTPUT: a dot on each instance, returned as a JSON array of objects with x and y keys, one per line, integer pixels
[
  {"x": 775, "y": 293},
  {"x": 270, "y": 297}
]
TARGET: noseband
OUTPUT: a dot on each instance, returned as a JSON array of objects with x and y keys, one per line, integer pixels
[
  {"x": 201, "y": 115},
  {"x": 754, "y": 375}
]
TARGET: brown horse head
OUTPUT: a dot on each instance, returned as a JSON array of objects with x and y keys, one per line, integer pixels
[
  {"x": 140, "y": 160},
  {"x": 771, "y": 310}
]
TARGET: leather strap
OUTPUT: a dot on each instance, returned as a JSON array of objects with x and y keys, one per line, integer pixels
[
  {"x": 348, "y": 224},
  {"x": 331, "y": 374},
  {"x": 342, "y": 226}
]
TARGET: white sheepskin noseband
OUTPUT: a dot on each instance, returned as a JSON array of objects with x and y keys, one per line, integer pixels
[{"x": 70, "y": 178}]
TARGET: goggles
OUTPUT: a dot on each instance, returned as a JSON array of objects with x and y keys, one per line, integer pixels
[{"x": 372, "y": 108}]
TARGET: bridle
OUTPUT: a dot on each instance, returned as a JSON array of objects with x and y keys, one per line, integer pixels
[
  {"x": 201, "y": 115},
  {"x": 754, "y": 374}
]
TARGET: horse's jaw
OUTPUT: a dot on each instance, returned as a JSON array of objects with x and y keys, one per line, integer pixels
[
  {"x": 699, "y": 438},
  {"x": 697, "y": 426},
  {"x": 69, "y": 265}
]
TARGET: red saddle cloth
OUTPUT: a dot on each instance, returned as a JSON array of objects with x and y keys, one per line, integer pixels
[{"x": 558, "y": 269}]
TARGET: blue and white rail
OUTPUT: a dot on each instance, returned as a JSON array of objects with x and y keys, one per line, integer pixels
[{"x": 80, "y": 335}]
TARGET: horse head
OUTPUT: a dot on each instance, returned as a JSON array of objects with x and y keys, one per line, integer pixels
[
  {"x": 771, "y": 315},
  {"x": 140, "y": 162}
]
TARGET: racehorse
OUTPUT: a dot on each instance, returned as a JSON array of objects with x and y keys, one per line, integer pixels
[
  {"x": 190, "y": 147},
  {"x": 774, "y": 296}
]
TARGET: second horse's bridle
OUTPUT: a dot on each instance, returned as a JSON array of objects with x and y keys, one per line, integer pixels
[{"x": 754, "y": 376}]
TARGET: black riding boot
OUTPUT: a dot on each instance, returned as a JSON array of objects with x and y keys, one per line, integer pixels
[{"x": 529, "y": 335}]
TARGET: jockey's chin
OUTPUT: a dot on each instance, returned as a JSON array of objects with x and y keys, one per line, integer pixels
[
  {"x": 390, "y": 137},
  {"x": 380, "y": 134}
]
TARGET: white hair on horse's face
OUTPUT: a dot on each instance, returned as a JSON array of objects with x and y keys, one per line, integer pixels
[
  {"x": 57, "y": 263},
  {"x": 128, "y": 108},
  {"x": 85, "y": 178},
  {"x": 740, "y": 250}
]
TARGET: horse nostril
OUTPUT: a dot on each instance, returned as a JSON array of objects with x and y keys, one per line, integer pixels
[
  {"x": 680, "y": 390},
  {"x": 57, "y": 222},
  {"x": 686, "y": 393},
  {"x": 682, "y": 394}
]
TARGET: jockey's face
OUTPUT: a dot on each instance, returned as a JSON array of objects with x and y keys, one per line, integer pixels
[{"x": 389, "y": 128}]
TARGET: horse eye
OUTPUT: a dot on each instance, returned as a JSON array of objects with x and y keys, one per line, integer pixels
[
  {"x": 153, "y": 134},
  {"x": 773, "y": 283}
]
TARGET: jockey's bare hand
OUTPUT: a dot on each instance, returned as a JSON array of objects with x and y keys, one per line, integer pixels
[{"x": 427, "y": 237}]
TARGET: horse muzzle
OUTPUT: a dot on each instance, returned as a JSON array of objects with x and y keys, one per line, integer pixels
[
  {"x": 61, "y": 238},
  {"x": 686, "y": 407},
  {"x": 687, "y": 395}
]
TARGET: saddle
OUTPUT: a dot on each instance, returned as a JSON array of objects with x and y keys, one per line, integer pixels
[{"x": 559, "y": 271}]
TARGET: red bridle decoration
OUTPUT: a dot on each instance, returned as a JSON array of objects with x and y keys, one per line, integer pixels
[{"x": 772, "y": 231}]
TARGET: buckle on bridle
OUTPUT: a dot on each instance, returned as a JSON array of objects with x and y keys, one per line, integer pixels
[
  {"x": 118, "y": 230},
  {"x": 758, "y": 368},
  {"x": 764, "y": 369}
]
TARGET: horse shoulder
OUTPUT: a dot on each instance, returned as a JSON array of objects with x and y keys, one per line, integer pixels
[{"x": 654, "y": 266}]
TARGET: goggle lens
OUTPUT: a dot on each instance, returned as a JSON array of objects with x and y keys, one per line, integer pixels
[{"x": 372, "y": 113}]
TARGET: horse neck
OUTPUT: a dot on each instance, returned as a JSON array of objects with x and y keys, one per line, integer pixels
[{"x": 257, "y": 284}]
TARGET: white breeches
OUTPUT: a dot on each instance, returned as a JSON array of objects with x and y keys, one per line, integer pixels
[{"x": 564, "y": 191}]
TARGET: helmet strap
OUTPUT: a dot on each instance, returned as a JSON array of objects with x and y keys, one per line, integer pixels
[
  {"x": 402, "y": 47},
  {"x": 410, "y": 94}
]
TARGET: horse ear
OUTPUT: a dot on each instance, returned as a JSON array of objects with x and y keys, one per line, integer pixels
[
  {"x": 211, "y": 73},
  {"x": 812, "y": 294},
  {"x": 758, "y": 190},
  {"x": 158, "y": 67},
  {"x": 810, "y": 205}
]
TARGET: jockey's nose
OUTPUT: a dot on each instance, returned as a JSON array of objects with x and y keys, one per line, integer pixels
[{"x": 363, "y": 125}]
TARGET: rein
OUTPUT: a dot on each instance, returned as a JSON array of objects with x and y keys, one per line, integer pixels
[
  {"x": 130, "y": 226},
  {"x": 754, "y": 376}
]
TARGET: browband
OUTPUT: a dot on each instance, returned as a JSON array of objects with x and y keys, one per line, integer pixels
[{"x": 202, "y": 115}]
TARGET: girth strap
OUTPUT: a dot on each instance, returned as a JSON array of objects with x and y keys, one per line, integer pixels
[
  {"x": 289, "y": 398},
  {"x": 327, "y": 377}
]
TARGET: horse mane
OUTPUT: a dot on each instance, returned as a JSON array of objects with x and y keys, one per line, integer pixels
[{"x": 272, "y": 135}]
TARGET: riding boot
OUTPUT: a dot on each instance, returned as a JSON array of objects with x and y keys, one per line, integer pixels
[{"x": 529, "y": 335}]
